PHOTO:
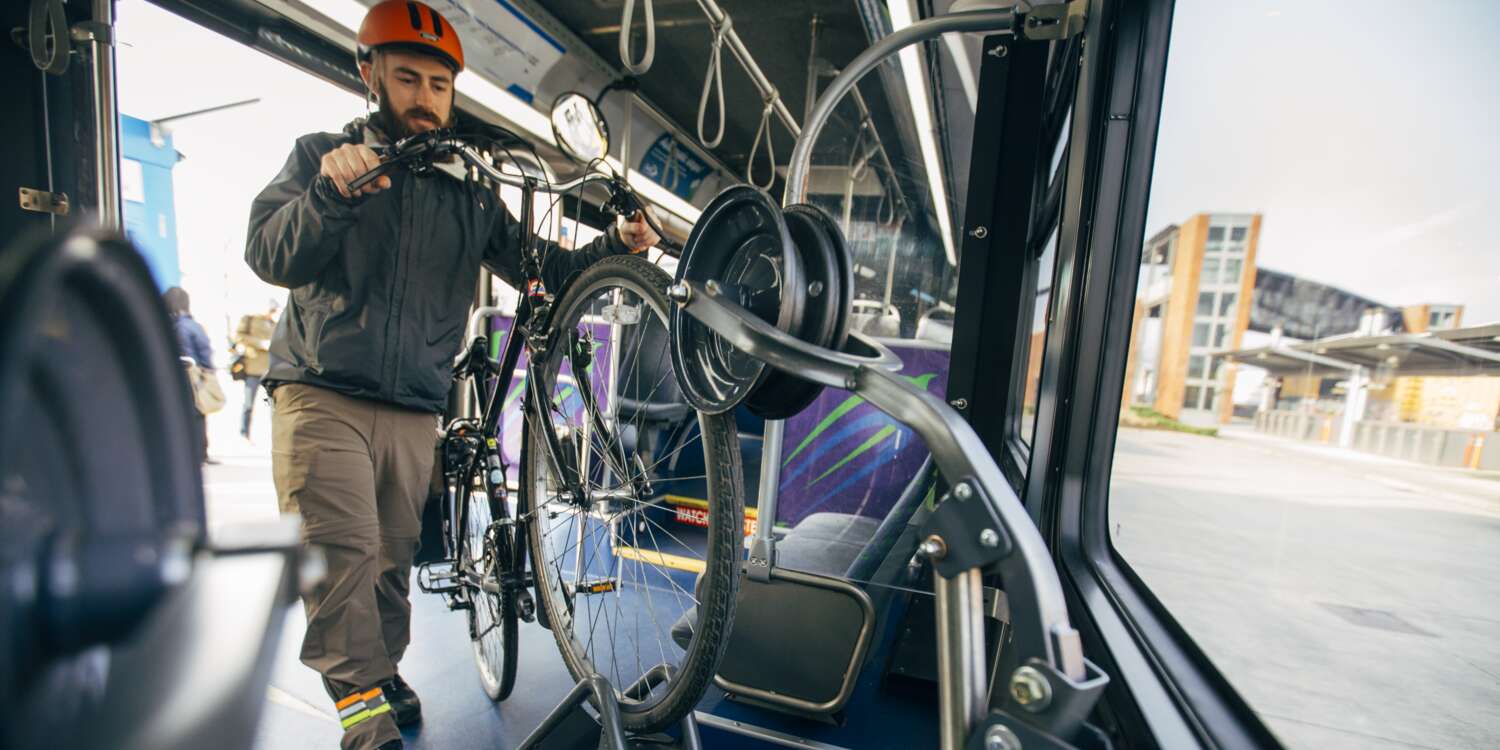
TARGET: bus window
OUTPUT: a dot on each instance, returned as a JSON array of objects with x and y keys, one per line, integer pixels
[{"x": 1304, "y": 471}]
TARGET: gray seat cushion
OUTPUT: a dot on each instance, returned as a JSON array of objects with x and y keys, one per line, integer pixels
[
  {"x": 825, "y": 543},
  {"x": 822, "y": 543}
]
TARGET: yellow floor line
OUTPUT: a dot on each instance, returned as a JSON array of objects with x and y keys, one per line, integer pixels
[{"x": 660, "y": 559}]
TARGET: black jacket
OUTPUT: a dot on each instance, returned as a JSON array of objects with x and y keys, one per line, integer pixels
[{"x": 381, "y": 285}]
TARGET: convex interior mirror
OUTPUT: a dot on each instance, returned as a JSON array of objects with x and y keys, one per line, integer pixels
[{"x": 579, "y": 127}]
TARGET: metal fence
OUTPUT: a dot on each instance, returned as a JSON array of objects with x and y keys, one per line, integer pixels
[{"x": 1436, "y": 446}]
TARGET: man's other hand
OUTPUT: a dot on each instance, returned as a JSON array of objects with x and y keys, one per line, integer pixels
[
  {"x": 346, "y": 163},
  {"x": 636, "y": 233}
]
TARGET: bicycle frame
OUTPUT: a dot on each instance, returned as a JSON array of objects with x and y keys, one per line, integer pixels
[
  {"x": 530, "y": 332},
  {"x": 532, "y": 316}
]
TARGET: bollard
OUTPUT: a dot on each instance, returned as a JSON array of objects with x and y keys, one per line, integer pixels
[{"x": 1473, "y": 451}]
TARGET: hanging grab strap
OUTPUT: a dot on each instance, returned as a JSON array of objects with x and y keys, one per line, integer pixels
[
  {"x": 48, "y": 23},
  {"x": 881, "y": 218},
  {"x": 859, "y": 165},
  {"x": 714, "y": 80},
  {"x": 764, "y": 131},
  {"x": 649, "y": 54}
]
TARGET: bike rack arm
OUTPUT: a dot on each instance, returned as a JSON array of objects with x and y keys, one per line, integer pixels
[
  {"x": 1026, "y": 566},
  {"x": 609, "y": 714},
  {"x": 1005, "y": 536}
]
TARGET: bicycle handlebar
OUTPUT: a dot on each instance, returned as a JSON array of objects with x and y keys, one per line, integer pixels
[{"x": 436, "y": 145}]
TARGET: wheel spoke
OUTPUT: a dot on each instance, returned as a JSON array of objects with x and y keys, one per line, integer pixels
[{"x": 599, "y": 556}]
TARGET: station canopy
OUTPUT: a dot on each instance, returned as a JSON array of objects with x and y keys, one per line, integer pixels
[{"x": 1456, "y": 352}]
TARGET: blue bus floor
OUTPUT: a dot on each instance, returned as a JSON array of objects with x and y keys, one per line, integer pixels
[
  {"x": 878, "y": 715},
  {"x": 439, "y": 665},
  {"x": 457, "y": 715}
]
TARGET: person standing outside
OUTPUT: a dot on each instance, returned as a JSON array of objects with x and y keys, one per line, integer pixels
[
  {"x": 252, "y": 344},
  {"x": 192, "y": 341},
  {"x": 381, "y": 280}
]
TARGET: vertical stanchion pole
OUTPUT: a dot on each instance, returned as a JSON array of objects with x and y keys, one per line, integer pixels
[
  {"x": 106, "y": 115},
  {"x": 762, "y": 546},
  {"x": 960, "y": 631}
]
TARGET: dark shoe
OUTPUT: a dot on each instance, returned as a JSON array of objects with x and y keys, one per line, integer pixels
[{"x": 404, "y": 702}]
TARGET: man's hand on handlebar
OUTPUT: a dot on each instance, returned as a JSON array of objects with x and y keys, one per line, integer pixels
[
  {"x": 349, "y": 161},
  {"x": 636, "y": 232}
]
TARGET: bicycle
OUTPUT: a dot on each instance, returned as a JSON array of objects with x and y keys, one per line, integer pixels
[{"x": 587, "y": 533}]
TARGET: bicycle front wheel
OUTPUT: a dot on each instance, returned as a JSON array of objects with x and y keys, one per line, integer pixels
[{"x": 637, "y": 589}]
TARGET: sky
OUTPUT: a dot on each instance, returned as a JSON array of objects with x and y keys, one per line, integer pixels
[{"x": 1365, "y": 132}]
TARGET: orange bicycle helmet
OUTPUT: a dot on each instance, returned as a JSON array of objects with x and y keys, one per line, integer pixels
[{"x": 413, "y": 25}]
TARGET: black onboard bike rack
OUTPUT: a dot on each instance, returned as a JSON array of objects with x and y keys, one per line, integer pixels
[{"x": 569, "y": 725}]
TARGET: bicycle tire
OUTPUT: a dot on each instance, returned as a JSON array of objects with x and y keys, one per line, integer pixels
[
  {"x": 724, "y": 479},
  {"x": 493, "y": 627}
]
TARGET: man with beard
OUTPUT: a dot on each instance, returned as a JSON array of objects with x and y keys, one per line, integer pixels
[{"x": 381, "y": 279}]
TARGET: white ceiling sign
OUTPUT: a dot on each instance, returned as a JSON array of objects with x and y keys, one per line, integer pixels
[{"x": 502, "y": 44}]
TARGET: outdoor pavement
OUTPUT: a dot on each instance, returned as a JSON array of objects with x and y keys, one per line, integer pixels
[{"x": 1354, "y": 601}]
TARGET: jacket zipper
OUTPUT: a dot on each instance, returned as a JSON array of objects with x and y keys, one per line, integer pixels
[{"x": 404, "y": 234}]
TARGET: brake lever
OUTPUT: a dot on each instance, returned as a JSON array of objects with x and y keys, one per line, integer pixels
[
  {"x": 624, "y": 202},
  {"x": 411, "y": 147},
  {"x": 372, "y": 175}
]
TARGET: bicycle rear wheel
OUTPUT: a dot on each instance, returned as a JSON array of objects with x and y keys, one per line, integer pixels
[
  {"x": 493, "y": 626},
  {"x": 611, "y": 451}
]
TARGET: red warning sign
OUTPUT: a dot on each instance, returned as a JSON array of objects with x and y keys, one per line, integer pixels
[{"x": 699, "y": 517}]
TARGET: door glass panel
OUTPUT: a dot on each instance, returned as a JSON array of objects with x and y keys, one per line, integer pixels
[{"x": 1190, "y": 396}]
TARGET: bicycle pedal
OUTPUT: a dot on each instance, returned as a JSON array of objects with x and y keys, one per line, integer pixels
[
  {"x": 439, "y": 577},
  {"x": 596, "y": 586}
]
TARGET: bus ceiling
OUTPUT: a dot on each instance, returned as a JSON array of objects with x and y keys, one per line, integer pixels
[{"x": 521, "y": 56}]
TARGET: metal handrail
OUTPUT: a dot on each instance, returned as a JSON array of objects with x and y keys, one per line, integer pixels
[
  {"x": 921, "y": 31},
  {"x": 717, "y": 17}
]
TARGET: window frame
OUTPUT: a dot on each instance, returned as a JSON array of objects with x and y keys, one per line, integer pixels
[
  {"x": 1013, "y": 194},
  {"x": 1045, "y": 234}
]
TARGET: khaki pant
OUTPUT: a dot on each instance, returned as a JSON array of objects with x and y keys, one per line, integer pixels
[{"x": 357, "y": 471}]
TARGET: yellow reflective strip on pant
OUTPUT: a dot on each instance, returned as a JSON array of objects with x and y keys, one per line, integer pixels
[{"x": 368, "y": 713}]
